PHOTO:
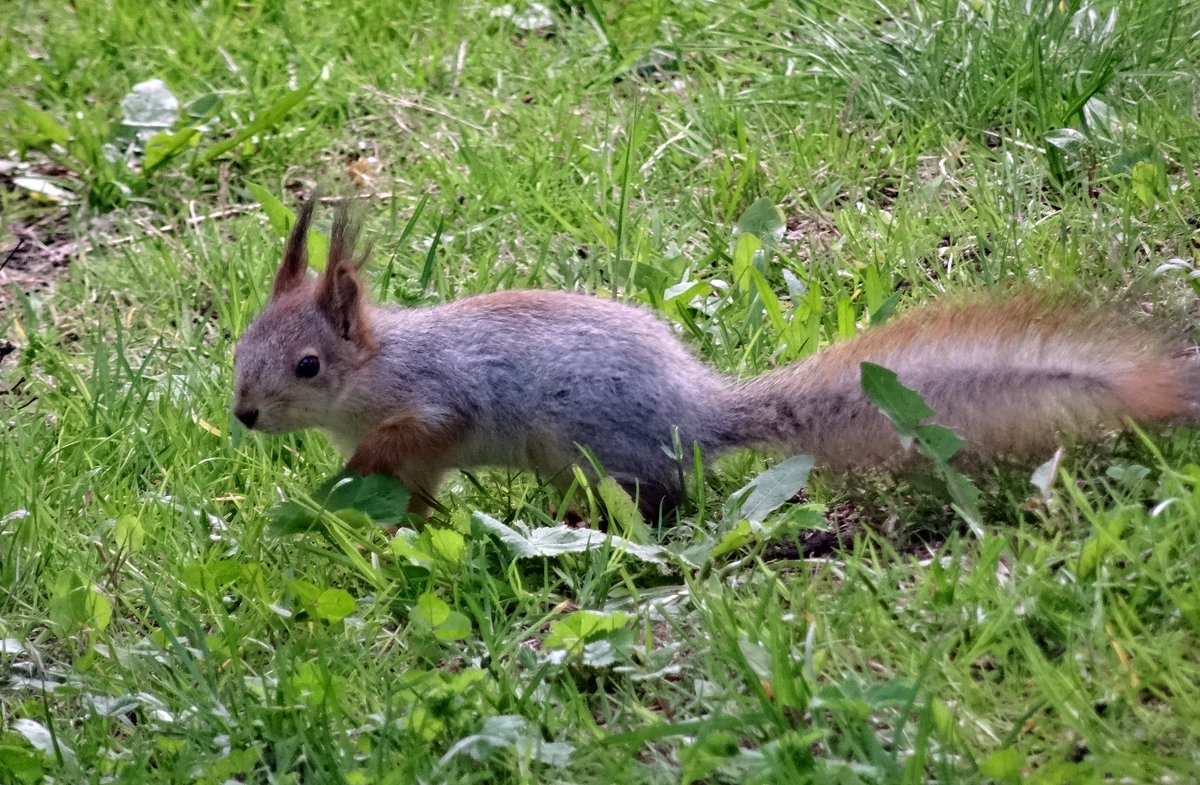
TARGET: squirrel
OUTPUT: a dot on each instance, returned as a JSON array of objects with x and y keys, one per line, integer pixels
[{"x": 525, "y": 379}]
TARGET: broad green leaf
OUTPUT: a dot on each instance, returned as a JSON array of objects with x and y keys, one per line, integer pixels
[
  {"x": 846, "y": 318},
  {"x": 291, "y": 517},
  {"x": 334, "y": 604},
  {"x": 510, "y": 733},
  {"x": 429, "y": 611},
  {"x": 282, "y": 219},
  {"x": 1149, "y": 181},
  {"x": 523, "y": 541},
  {"x": 581, "y": 627},
  {"x": 315, "y": 685},
  {"x": 797, "y": 517},
  {"x": 454, "y": 627},
  {"x": 1107, "y": 537},
  {"x": 128, "y": 534},
  {"x": 770, "y": 302},
  {"x": 796, "y": 288},
  {"x": 685, "y": 291},
  {"x": 942, "y": 443},
  {"x": 204, "y": 107},
  {"x": 209, "y": 577},
  {"x": 43, "y": 126},
  {"x": 164, "y": 146},
  {"x": 706, "y": 755},
  {"x": 446, "y": 545},
  {"x": 944, "y": 718},
  {"x": 885, "y": 310},
  {"x": 739, "y": 536},
  {"x": 263, "y": 122},
  {"x": 765, "y": 221},
  {"x": 904, "y": 407},
  {"x": 744, "y": 250},
  {"x": 614, "y": 648},
  {"x": 966, "y": 497},
  {"x": 1003, "y": 766},
  {"x": 355, "y": 520},
  {"x": 278, "y": 215},
  {"x": 76, "y": 606},
  {"x": 22, "y": 765},
  {"x": 769, "y": 490},
  {"x": 305, "y": 593},
  {"x": 382, "y": 497},
  {"x": 872, "y": 288},
  {"x": 421, "y": 723},
  {"x": 412, "y": 548}
]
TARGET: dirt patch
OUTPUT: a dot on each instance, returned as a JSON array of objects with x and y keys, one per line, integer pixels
[
  {"x": 845, "y": 522},
  {"x": 37, "y": 252},
  {"x": 38, "y": 240},
  {"x": 808, "y": 234}
]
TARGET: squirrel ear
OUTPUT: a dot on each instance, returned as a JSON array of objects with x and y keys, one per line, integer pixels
[
  {"x": 340, "y": 297},
  {"x": 340, "y": 294},
  {"x": 294, "y": 267}
]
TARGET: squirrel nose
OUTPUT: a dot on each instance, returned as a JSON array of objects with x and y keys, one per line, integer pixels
[{"x": 247, "y": 416}]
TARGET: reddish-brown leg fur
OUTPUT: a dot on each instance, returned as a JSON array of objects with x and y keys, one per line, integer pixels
[{"x": 412, "y": 452}]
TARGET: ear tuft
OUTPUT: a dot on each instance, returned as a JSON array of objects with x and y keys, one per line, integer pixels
[
  {"x": 347, "y": 223},
  {"x": 341, "y": 295},
  {"x": 294, "y": 267}
]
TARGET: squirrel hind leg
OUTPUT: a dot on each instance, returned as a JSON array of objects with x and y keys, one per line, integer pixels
[
  {"x": 656, "y": 501},
  {"x": 656, "y": 486},
  {"x": 654, "y": 483},
  {"x": 421, "y": 495}
]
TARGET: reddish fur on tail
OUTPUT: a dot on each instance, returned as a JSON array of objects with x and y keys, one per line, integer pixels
[{"x": 1009, "y": 377}]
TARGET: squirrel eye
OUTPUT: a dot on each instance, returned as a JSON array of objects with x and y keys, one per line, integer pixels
[{"x": 308, "y": 367}]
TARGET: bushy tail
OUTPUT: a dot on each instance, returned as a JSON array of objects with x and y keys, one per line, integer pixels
[{"x": 1009, "y": 377}]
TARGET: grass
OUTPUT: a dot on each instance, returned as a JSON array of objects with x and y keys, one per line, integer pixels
[{"x": 156, "y": 628}]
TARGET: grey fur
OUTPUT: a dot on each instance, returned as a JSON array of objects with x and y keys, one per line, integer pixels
[{"x": 527, "y": 383}]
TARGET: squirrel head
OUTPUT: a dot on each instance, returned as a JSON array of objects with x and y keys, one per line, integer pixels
[{"x": 296, "y": 359}]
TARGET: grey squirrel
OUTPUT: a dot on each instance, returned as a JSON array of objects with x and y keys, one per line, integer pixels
[{"x": 523, "y": 379}]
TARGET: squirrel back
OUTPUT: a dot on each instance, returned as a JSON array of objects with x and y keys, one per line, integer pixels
[{"x": 525, "y": 379}]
